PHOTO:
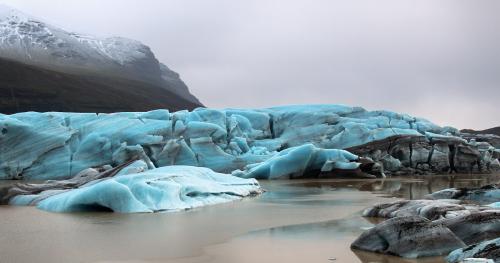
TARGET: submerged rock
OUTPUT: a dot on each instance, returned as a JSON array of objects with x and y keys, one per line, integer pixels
[
  {"x": 487, "y": 250},
  {"x": 409, "y": 237},
  {"x": 134, "y": 189}
]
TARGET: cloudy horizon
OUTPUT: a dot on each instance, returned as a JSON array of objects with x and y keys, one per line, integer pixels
[{"x": 434, "y": 59}]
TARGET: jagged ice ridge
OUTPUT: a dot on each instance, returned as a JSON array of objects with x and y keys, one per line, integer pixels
[{"x": 280, "y": 142}]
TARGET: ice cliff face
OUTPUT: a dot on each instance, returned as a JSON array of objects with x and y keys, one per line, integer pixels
[
  {"x": 29, "y": 40},
  {"x": 280, "y": 142}
]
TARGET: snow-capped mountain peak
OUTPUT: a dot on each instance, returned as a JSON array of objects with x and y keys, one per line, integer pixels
[
  {"x": 26, "y": 36},
  {"x": 32, "y": 41}
]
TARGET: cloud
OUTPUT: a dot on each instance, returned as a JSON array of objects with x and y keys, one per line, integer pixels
[{"x": 436, "y": 59}]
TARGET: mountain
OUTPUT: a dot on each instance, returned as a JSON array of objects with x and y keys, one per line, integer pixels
[
  {"x": 31, "y": 88},
  {"x": 495, "y": 130},
  {"x": 105, "y": 62}
]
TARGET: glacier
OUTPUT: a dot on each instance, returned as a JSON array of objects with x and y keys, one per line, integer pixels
[
  {"x": 285, "y": 142},
  {"x": 245, "y": 142}
]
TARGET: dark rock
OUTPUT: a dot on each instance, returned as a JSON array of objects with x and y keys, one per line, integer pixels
[
  {"x": 470, "y": 223},
  {"x": 491, "y": 136},
  {"x": 429, "y": 209},
  {"x": 409, "y": 237},
  {"x": 488, "y": 249},
  {"x": 475, "y": 227},
  {"x": 484, "y": 195}
]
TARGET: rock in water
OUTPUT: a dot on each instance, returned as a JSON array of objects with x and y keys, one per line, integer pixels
[
  {"x": 409, "y": 237},
  {"x": 475, "y": 227},
  {"x": 471, "y": 223},
  {"x": 168, "y": 188},
  {"x": 486, "y": 250},
  {"x": 483, "y": 195},
  {"x": 429, "y": 209},
  {"x": 468, "y": 222}
]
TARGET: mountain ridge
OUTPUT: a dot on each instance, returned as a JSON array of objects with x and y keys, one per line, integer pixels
[
  {"x": 31, "y": 88},
  {"x": 31, "y": 41},
  {"x": 494, "y": 130}
]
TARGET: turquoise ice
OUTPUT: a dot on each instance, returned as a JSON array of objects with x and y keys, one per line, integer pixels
[
  {"x": 56, "y": 145},
  {"x": 136, "y": 189}
]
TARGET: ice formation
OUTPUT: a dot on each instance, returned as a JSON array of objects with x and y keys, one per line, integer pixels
[
  {"x": 280, "y": 142},
  {"x": 136, "y": 189}
]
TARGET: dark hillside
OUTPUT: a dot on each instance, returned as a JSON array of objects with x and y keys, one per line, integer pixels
[
  {"x": 30, "y": 88},
  {"x": 495, "y": 130}
]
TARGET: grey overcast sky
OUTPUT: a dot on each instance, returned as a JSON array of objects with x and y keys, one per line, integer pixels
[{"x": 434, "y": 59}]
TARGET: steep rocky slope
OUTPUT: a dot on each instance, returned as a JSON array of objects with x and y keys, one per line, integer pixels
[{"x": 30, "y": 88}]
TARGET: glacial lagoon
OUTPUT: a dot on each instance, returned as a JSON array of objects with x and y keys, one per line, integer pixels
[{"x": 313, "y": 220}]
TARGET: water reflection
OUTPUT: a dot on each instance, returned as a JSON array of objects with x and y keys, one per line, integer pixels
[
  {"x": 332, "y": 238},
  {"x": 406, "y": 187},
  {"x": 277, "y": 226}
]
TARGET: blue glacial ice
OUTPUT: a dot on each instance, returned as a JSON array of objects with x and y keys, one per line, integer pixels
[
  {"x": 295, "y": 161},
  {"x": 137, "y": 189},
  {"x": 56, "y": 145},
  {"x": 189, "y": 159}
]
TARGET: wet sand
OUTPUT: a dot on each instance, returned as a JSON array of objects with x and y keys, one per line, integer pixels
[{"x": 294, "y": 221}]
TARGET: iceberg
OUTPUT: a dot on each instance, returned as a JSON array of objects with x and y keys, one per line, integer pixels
[
  {"x": 136, "y": 189},
  {"x": 296, "y": 161}
]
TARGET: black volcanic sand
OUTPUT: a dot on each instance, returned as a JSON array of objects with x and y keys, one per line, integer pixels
[{"x": 294, "y": 221}]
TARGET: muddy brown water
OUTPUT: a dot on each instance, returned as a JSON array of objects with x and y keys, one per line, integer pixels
[{"x": 293, "y": 221}]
